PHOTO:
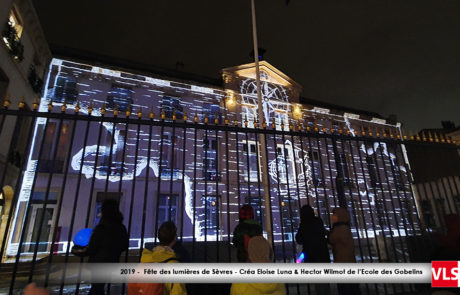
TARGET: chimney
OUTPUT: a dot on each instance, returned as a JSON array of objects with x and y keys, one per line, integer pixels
[
  {"x": 392, "y": 119},
  {"x": 448, "y": 125}
]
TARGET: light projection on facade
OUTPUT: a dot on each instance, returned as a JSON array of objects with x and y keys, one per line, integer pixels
[
  {"x": 195, "y": 176},
  {"x": 275, "y": 101},
  {"x": 287, "y": 152}
]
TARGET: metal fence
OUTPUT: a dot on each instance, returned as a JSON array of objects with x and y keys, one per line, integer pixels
[{"x": 197, "y": 174}]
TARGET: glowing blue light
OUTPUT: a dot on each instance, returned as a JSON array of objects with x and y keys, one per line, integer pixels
[
  {"x": 82, "y": 237},
  {"x": 301, "y": 258}
]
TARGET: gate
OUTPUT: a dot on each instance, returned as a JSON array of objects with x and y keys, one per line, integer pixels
[{"x": 197, "y": 172}]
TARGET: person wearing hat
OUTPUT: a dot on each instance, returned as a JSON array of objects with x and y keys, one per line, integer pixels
[
  {"x": 246, "y": 229},
  {"x": 259, "y": 251}
]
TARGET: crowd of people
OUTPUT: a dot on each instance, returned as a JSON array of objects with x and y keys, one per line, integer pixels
[{"x": 110, "y": 238}]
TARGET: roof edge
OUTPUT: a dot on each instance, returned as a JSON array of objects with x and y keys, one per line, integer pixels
[
  {"x": 131, "y": 67},
  {"x": 266, "y": 64}
]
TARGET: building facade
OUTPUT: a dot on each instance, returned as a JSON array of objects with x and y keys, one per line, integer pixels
[
  {"x": 24, "y": 60},
  {"x": 170, "y": 149},
  {"x": 436, "y": 168}
]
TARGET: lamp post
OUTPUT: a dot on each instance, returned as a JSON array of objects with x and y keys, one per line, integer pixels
[{"x": 265, "y": 180}]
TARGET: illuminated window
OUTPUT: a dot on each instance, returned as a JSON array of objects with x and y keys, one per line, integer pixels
[
  {"x": 12, "y": 35},
  {"x": 405, "y": 209},
  {"x": 169, "y": 156},
  {"x": 19, "y": 139},
  {"x": 249, "y": 114},
  {"x": 345, "y": 169},
  {"x": 121, "y": 96},
  {"x": 2, "y": 203},
  {"x": 381, "y": 213},
  {"x": 372, "y": 170},
  {"x": 286, "y": 158},
  {"x": 62, "y": 146},
  {"x": 64, "y": 89},
  {"x": 41, "y": 217},
  {"x": 317, "y": 173},
  {"x": 212, "y": 110},
  {"x": 53, "y": 153},
  {"x": 366, "y": 129},
  {"x": 108, "y": 162},
  {"x": 171, "y": 104},
  {"x": 210, "y": 159},
  {"x": 117, "y": 158},
  {"x": 253, "y": 163},
  {"x": 320, "y": 206},
  {"x": 167, "y": 208},
  {"x": 398, "y": 179},
  {"x": 335, "y": 125},
  {"x": 15, "y": 22},
  {"x": 289, "y": 216},
  {"x": 211, "y": 208},
  {"x": 281, "y": 117}
]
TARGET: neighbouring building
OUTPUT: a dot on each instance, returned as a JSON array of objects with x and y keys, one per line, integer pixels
[
  {"x": 436, "y": 170},
  {"x": 24, "y": 60}
]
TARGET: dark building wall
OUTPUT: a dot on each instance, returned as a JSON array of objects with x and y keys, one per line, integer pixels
[{"x": 433, "y": 161}]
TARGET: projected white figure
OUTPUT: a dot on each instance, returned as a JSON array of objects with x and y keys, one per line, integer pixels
[
  {"x": 88, "y": 166},
  {"x": 369, "y": 151},
  {"x": 275, "y": 101},
  {"x": 383, "y": 146},
  {"x": 278, "y": 173}
]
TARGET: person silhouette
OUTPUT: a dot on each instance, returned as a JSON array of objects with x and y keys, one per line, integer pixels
[{"x": 108, "y": 240}]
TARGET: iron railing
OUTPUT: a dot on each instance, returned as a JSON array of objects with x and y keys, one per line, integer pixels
[{"x": 198, "y": 175}]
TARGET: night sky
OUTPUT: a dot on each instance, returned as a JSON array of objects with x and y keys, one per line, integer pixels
[{"x": 392, "y": 57}]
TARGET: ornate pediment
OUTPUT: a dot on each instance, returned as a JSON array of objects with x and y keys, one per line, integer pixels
[{"x": 274, "y": 83}]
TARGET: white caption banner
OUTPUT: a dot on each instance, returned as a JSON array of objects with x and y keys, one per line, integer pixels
[{"x": 247, "y": 272}]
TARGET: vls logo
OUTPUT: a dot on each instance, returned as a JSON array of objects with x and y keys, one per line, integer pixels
[{"x": 445, "y": 274}]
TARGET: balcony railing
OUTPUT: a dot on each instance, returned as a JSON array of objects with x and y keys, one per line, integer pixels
[{"x": 12, "y": 41}]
